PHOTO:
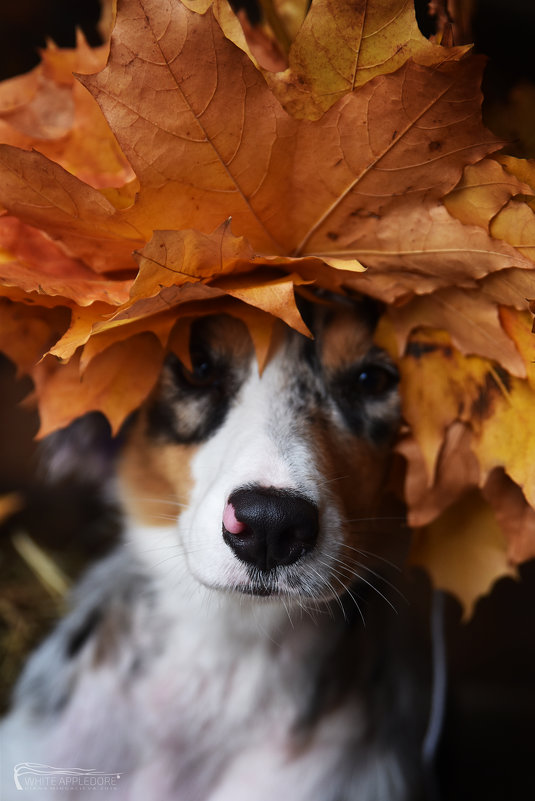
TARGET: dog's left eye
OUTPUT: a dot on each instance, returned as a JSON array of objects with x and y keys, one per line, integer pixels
[
  {"x": 367, "y": 382},
  {"x": 373, "y": 380}
]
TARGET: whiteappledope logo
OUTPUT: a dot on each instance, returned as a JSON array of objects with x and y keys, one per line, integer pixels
[{"x": 34, "y": 776}]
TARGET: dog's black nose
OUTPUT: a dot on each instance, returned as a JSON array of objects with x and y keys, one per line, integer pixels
[{"x": 269, "y": 527}]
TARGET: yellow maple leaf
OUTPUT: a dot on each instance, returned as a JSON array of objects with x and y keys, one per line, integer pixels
[
  {"x": 464, "y": 550},
  {"x": 343, "y": 44}
]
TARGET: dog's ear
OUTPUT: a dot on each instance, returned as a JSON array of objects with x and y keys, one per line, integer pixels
[
  {"x": 72, "y": 496},
  {"x": 85, "y": 452}
]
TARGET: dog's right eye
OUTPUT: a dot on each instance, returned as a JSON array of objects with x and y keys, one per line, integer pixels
[{"x": 204, "y": 373}]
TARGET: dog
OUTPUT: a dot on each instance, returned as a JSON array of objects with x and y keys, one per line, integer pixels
[{"x": 246, "y": 640}]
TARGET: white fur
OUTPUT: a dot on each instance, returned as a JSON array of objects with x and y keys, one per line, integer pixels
[
  {"x": 225, "y": 710},
  {"x": 260, "y": 443}
]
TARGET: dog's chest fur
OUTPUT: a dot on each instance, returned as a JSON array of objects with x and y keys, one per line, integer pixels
[{"x": 216, "y": 701}]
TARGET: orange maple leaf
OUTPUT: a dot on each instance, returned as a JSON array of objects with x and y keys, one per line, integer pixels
[{"x": 48, "y": 110}]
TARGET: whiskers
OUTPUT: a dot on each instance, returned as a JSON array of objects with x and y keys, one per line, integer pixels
[
  {"x": 169, "y": 502},
  {"x": 333, "y": 579},
  {"x": 327, "y": 481},
  {"x": 376, "y": 522},
  {"x": 351, "y": 573},
  {"x": 372, "y": 556}
]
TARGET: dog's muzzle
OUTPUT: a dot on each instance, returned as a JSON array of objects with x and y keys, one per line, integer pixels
[{"x": 268, "y": 527}]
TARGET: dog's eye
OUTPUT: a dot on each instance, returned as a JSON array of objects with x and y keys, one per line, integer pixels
[
  {"x": 205, "y": 372},
  {"x": 373, "y": 380},
  {"x": 368, "y": 382},
  {"x": 366, "y": 396}
]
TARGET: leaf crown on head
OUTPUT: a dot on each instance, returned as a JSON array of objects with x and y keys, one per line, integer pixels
[{"x": 206, "y": 165}]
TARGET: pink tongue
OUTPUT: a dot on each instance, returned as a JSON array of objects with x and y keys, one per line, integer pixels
[{"x": 231, "y": 523}]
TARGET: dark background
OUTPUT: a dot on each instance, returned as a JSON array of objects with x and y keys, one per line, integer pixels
[{"x": 488, "y": 746}]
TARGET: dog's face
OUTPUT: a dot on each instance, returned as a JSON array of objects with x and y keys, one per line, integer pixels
[{"x": 264, "y": 482}]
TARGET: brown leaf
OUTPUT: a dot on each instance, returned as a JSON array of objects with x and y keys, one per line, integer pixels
[
  {"x": 173, "y": 262},
  {"x": 115, "y": 383},
  {"x": 48, "y": 110},
  {"x": 456, "y": 471},
  {"x": 173, "y": 258},
  {"x": 264, "y": 48},
  {"x": 83, "y": 320},
  {"x": 505, "y": 435},
  {"x": 287, "y": 199},
  {"x": 445, "y": 501},
  {"x": 509, "y": 287},
  {"x": 27, "y": 332},
  {"x": 440, "y": 386},
  {"x": 483, "y": 191},
  {"x": 42, "y": 194},
  {"x": 515, "y": 224},
  {"x": 33, "y": 107},
  {"x": 274, "y": 296},
  {"x": 415, "y": 249},
  {"x": 31, "y": 261},
  {"x": 518, "y": 327},
  {"x": 473, "y": 321},
  {"x": 161, "y": 326},
  {"x": 522, "y": 169},
  {"x": 515, "y": 516}
]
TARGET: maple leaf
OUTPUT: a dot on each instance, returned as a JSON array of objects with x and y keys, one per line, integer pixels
[
  {"x": 483, "y": 191},
  {"x": 49, "y": 111},
  {"x": 445, "y": 386},
  {"x": 117, "y": 379},
  {"x": 472, "y": 319},
  {"x": 505, "y": 434},
  {"x": 42, "y": 194},
  {"x": 261, "y": 176},
  {"x": 468, "y": 419},
  {"x": 32, "y": 262},
  {"x": 343, "y": 44},
  {"x": 185, "y": 177},
  {"x": 283, "y": 207},
  {"x": 466, "y": 537},
  {"x": 464, "y": 550},
  {"x": 418, "y": 248},
  {"x": 26, "y": 332}
]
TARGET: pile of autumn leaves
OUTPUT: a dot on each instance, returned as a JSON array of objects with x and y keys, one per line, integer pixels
[{"x": 204, "y": 169}]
